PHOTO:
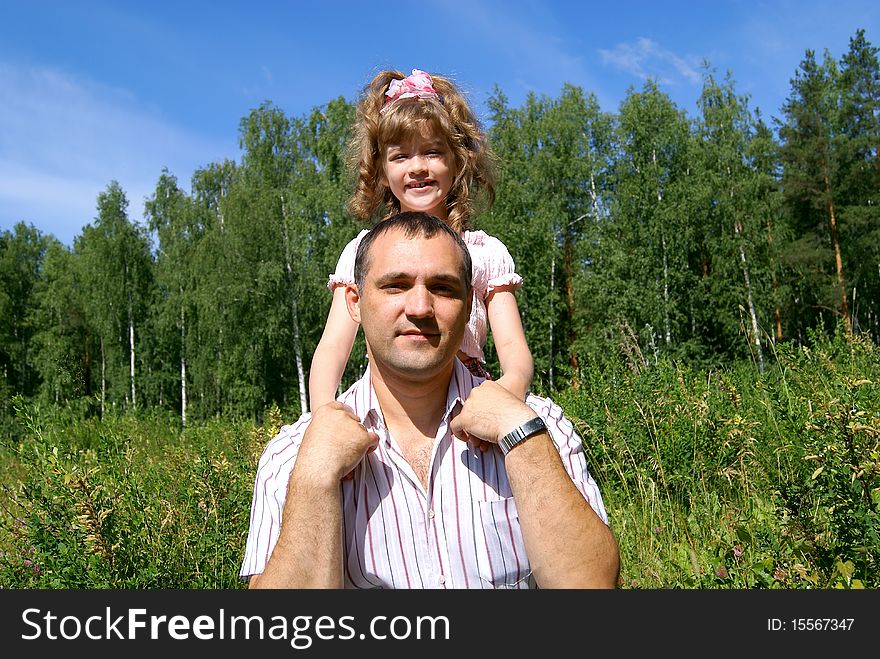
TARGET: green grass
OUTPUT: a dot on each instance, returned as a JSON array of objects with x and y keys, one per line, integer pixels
[
  {"x": 727, "y": 478},
  {"x": 128, "y": 502},
  {"x": 741, "y": 479}
]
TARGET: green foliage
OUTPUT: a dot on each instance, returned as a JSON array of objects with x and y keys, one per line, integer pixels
[
  {"x": 126, "y": 502},
  {"x": 738, "y": 478},
  {"x": 826, "y": 407},
  {"x": 678, "y": 275},
  {"x": 715, "y": 478},
  {"x": 22, "y": 251}
]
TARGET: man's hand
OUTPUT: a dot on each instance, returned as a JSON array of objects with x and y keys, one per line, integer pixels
[
  {"x": 489, "y": 413},
  {"x": 334, "y": 444}
]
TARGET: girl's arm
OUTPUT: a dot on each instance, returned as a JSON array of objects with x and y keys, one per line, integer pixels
[
  {"x": 517, "y": 366},
  {"x": 331, "y": 355}
]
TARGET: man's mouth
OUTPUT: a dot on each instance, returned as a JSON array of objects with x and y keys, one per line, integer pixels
[{"x": 416, "y": 334}]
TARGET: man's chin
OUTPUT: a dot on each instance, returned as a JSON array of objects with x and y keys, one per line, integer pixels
[{"x": 419, "y": 365}]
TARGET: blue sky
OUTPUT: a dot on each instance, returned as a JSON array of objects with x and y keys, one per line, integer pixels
[{"x": 94, "y": 91}]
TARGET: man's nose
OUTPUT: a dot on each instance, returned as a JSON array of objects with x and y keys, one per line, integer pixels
[{"x": 419, "y": 302}]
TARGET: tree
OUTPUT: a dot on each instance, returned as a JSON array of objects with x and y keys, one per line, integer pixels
[
  {"x": 116, "y": 261},
  {"x": 857, "y": 145},
  {"x": 61, "y": 352},
  {"x": 648, "y": 243},
  {"x": 734, "y": 266},
  {"x": 21, "y": 262},
  {"x": 319, "y": 192},
  {"x": 171, "y": 215},
  {"x": 555, "y": 164},
  {"x": 762, "y": 153},
  {"x": 810, "y": 176},
  {"x": 212, "y": 272}
]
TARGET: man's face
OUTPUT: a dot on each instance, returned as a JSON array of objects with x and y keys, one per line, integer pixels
[{"x": 415, "y": 303}]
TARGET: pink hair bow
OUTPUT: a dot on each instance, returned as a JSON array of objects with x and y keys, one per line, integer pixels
[{"x": 416, "y": 85}]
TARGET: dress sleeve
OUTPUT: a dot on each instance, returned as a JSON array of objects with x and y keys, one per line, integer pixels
[
  {"x": 344, "y": 273},
  {"x": 500, "y": 269}
]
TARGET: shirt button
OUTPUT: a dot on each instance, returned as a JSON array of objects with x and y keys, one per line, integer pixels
[
  {"x": 442, "y": 579},
  {"x": 431, "y": 516}
]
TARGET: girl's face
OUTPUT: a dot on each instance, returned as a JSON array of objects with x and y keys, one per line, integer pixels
[{"x": 420, "y": 172}]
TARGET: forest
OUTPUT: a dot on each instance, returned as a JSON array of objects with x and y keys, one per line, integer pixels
[
  {"x": 703, "y": 239},
  {"x": 656, "y": 246}
]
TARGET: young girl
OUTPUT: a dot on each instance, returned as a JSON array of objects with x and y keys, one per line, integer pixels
[{"x": 417, "y": 146}]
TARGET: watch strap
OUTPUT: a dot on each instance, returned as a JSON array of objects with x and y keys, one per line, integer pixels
[{"x": 521, "y": 433}]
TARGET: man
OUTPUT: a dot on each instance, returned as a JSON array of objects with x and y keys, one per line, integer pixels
[{"x": 423, "y": 475}]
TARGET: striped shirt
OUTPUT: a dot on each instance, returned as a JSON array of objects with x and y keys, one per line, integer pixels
[{"x": 462, "y": 532}]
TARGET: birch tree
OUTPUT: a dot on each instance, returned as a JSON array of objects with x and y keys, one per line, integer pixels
[
  {"x": 117, "y": 270},
  {"x": 649, "y": 283}
]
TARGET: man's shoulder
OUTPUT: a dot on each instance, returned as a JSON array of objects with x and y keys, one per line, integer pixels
[
  {"x": 537, "y": 402},
  {"x": 286, "y": 440},
  {"x": 548, "y": 410}
]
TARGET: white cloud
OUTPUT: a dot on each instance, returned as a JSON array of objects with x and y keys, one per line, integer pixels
[
  {"x": 64, "y": 139},
  {"x": 645, "y": 59}
]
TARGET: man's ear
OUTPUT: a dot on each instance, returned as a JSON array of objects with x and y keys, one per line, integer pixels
[{"x": 353, "y": 302}]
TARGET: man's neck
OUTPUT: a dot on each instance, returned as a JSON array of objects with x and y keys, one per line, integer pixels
[{"x": 419, "y": 404}]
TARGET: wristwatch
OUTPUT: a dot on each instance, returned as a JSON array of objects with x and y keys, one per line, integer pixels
[{"x": 521, "y": 433}]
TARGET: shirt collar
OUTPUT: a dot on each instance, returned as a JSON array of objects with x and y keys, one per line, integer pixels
[{"x": 370, "y": 414}]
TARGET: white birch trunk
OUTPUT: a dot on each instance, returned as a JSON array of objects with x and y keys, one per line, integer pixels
[
  {"x": 666, "y": 293},
  {"x": 103, "y": 379},
  {"x": 131, "y": 356},
  {"x": 182, "y": 363},
  {"x": 294, "y": 317},
  {"x": 552, "y": 311},
  {"x": 666, "y": 321},
  {"x": 756, "y": 333}
]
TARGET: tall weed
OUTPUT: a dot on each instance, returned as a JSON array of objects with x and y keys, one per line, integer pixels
[
  {"x": 740, "y": 477},
  {"x": 127, "y": 502}
]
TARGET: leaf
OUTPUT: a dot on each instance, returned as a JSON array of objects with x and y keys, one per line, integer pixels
[
  {"x": 743, "y": 534},
  {"x": 817, "y": 472},
  {"x": 845, "y": 569}
]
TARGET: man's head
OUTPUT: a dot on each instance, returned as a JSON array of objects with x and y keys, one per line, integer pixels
[{"x": 412, "y": 293}]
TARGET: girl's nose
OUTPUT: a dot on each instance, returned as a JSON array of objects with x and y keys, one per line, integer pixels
[{"x": 418, "y": 165}]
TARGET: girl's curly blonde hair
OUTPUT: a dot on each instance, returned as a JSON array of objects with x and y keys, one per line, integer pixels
[{"x": 450, "y": 117}]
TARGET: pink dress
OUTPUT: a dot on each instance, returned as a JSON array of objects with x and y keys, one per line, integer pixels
[{"x": 493, "y": 267}]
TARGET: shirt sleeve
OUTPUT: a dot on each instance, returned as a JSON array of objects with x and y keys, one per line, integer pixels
[
  {"x": 571, "y": 450},
  {"x": 344, "y": 273},
  {"x": 500, "y": 268},
  {"x": 270, "y": 492}
]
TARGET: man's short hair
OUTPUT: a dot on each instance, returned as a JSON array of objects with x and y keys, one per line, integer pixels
[{"x": 414, "y": 224}]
